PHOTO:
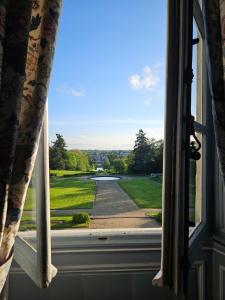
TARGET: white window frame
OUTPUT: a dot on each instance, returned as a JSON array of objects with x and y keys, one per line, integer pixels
[
  {"x": 36, "y": 260},
  {"x": 202, "y": 127}
]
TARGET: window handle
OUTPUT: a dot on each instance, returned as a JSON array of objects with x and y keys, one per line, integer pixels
[
  {"x": 195, "y": 41},
  {"x": 195, "y": 145}
]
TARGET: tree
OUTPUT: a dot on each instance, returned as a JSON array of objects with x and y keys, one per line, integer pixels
[
  {"x": 158, "y": 156},
  {"x": 147, "y": 156},
  {"x": 120, "y": 165},
  {"x": 82, "y": 159},
  {"x": 71, "y": 161},
  {"x": 58, "y": 154},
  {"x": 141, "y": 151},
  {"x": 106, "y": 164}
]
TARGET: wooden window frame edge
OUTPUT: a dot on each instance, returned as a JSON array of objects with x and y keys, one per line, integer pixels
[{"x": 37, "y": 262}]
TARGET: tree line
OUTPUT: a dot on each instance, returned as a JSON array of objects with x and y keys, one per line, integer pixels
[
  {"x": 145, "y": 158},
  {"x": 62, "y": 159}
]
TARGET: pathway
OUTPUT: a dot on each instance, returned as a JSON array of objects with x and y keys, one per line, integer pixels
[{"x": 114, "y": 209}]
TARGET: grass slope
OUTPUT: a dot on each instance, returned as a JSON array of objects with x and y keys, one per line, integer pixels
[
  {"x": 146, "y": 192},
  {"x": 68, "y": 172},
  {"x": 59, "y": 222},
  {"x": 67, "y": 193}
]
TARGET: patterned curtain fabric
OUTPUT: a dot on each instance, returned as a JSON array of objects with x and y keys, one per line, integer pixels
[
  {"x": 27, "y": 38},
  {"x": 214, "y": 19}
]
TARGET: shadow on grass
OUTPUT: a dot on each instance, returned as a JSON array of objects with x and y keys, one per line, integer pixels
[
  {"x": 67, "y": 224},
  {"x": 65, "y": 196},
  {"x": 88, "y": 205},
  {"x": 64, "y": 222}
]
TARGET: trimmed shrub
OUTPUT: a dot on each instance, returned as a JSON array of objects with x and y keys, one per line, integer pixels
[{"x": 81, "y": 218}]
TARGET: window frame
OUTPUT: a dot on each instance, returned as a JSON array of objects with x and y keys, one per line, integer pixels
[
  {"x": 36, "y": 260},
  {"x": 200, "y": 127},
  {"x": 89, "y": 240}
]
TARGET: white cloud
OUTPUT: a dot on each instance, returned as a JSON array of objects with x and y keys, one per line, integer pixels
[
  {"x": 77, "y": 93},
  {"x": 82, "y": 137},
  {"x": 147, "y": 101},
  {"x": 135, "y": 81},
  {"x": 146, "y": 80},
  {"x": 158, "y": 66},
  {"x": 64, "y": 89}
]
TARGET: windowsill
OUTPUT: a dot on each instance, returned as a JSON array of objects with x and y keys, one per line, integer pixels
[
  {"x": 99, "y": 237},
  {"x": 85, "y": 238},
  {"x": 104, "y": 250}
]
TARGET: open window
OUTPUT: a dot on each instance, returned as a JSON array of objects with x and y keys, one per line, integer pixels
[
  {"x": 186, "y": 145},
  {"x": 197, "y": 174},
  {"x": 178, "y": 193},
  {"x": 33, "y": 250}
]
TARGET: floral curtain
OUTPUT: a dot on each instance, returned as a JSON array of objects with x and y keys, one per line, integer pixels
[
  {"x": 214, "y": 19},
  {"x": 27, "y": 38}
]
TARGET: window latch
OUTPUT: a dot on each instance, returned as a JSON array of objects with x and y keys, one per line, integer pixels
[
  {"x": 195, "y": 144},
  {"x": 195, "y": 41}
]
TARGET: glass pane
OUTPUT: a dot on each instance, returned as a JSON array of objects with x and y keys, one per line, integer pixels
[
  {"x": 196, "y": 97},
  {"x": 195, "y": 187},
  {"x": 106, "y": 115},
  {"x": 28, "y": 225},
  {"x": 28, "y": 221}
]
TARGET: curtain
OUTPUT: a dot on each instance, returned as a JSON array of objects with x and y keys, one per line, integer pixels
[
  {"x": 214, "y": 20},
  {"x": 27, "y": 37}
]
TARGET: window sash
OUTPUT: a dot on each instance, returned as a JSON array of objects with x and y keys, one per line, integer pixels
[
  {"x": 175, "y": 235},
  {"x": 37, "y": 262}
]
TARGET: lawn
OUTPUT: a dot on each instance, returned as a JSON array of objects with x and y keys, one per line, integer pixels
[
  {"x": 146, "y": 192},
  {"x": 67, "y": 193},
  {"x": 61, "y": 222},
  {"x": 67, "y": 172}
]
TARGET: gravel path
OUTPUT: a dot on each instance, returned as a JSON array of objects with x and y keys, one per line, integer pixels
[{"x": 114, "y": 209}]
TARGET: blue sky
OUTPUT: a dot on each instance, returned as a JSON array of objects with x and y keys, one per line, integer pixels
[{"x": 108, "y": 76}]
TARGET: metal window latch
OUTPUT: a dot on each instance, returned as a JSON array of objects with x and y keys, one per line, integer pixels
[
  {"x": 195, "y": 41},
  {"x": 195, "y": 145}
]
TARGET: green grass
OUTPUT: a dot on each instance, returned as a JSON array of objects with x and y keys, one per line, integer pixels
[
  {"x": 146, "y": 192},
  {"x": 61, "y": 222},
  {"x": 67, "y": 172},
  {"x": 67, "y": 193},
  {"x": 156, "y": 215}
]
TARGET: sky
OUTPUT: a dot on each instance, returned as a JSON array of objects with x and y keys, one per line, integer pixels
[{"x": 108, "y": 76}]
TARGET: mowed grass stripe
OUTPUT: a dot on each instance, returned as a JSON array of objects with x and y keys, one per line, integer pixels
[
  {"x": 68, "y": 172},
  {"x": 67, "y": 193},
  {"x": 147, "y": 193}
]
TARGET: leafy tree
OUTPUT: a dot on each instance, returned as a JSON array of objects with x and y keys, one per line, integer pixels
[
  {"x": 112, "y": 156},
  {"x": 120, "y": 166},
  {"x": 71, "y": 161},
  {"x": 82, "y": 160},
  {"x": 158, "y": 157},
  {"x": 106, "y": 164},
  {"x": 58, "y": 153},
  {"x": 141, "y": 153},
  {"x": 147, "y": 156}
]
